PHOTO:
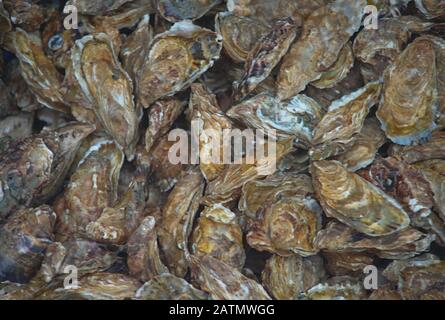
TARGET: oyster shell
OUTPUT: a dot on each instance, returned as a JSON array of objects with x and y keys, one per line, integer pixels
[
  {"x": 89, "y": 7},
  {"x": 433, "y": 149},
  {"x": 296, "y": 118},
  {"x": 169, "y": 287},
  {"x": 25, "y": 14},
  {"x": 176, "y": 58},
  {"x": 337, "y": 288},
  {"x": 144, "y": 262},
  {"x": 408, "y": 107},
  {"x": 17, "y": 126},
  {"x": 354, "y": 201},
  {"x": 265, "y": 56},
  {"x": 23, "y": 241},
  {"x": 177, "y": 10},
  {"x": 240, "y": 34},
  {"x": 176, "y": 221},
  {"x": 431, "y": 9},
  {"x": 223, "y": 282},
  {"x": 287, "y": 227},
  {"x": 32, "y": 170},
  {"x": 218, "y": 234},
  {"x": 340, "y": 263},
  {"x": 286, "y": 278},
  {"x": 109, "y": 88},
  {"x": 325, "y": 33}
]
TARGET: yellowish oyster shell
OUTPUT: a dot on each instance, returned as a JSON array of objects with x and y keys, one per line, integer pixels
[
  {"x": 176, "y": 59},
  {"x": 325, "y": 33},
  {"x": 109, "y": 88},
  {"x": 354, "y": 201},
  {"x": 240, "y": 34}
]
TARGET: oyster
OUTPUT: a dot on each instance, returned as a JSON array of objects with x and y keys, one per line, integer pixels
[
  {"x": 341, "y": 263},
  {"x": 287, "y": 227},
  {"x": 265, "y": 55},
  {"x": 17, "y": 126},
  {"x": 408, "y": 107},
  {"x": 431, "y": 9},
  {"x": 354, "y": 201},
  {"x": 26, "y": 14},
  {"x": 176, "y": 221},
  {"x": 336, "y": 131},
  {"x": 178, "y": 10},
  {"x": 296, "y": 118},
  {"x": 109, "y": 88},
  {"x": 433, "y": 149},
  {"x": 218, "y": 234},
  {"x": 169, "y": 287},
  {"x": 39, "y": 73},
  {"x": 32, "y": 170},
  {"x": 176, "y": 58},
  {"x": 89, "y": 7},
  {"x": 337, "y": 288},
  {"x": 223, "y": 282},
  {"x": 144, "y": 262},
  {"x": 212, "y": 123},
  {"x": 325, "y": 33},
  {"x": 286, "y": 278},
  {"x": 240, "y": 34},
  {"x": 23, "y": 241}
]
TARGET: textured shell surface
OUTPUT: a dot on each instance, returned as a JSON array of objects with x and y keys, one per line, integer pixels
[{"x": 178, "y": 10}]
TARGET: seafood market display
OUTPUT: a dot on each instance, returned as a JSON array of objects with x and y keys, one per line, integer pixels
[{"x": 222, "y": 150}]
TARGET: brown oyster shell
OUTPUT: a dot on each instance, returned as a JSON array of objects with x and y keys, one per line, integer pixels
[
  {"x": 431, "y": 9},
  {"x": 180, "y": 55},
  {"x": 295, "y": 118},
  {"x": 32, "y": 170},
  {"x": 265, "y": 56},
  {"x": 287, "y": 227},
  {"x": 176, "y": 221},
  {"x": 240, "y": 34},
  {"x": 169, "y": 287},
  {"x": 408, "y": 107},
  {"x": 340, "y": 263},
  {"x": 336, "y": 131},
  {"x": 325, "y": 33},
  {"x": 23, "y": 241},
  {"x": 286, "y": 278},
  {"x": 218, "y": 234},
  {"x": 109, "y": 88},
  {"x": 223, "y": 282},
  {"x": 17, "y": 126},
  {"x": 38, "y": 71},
  {"x": 89, "y": 7},
  {"x": 433, "y": 149},
  {"x": 337, "y": 288},
  {"x": 354, "y": 201},
  {"x": 174, "y": 10},
  {"x": 25, "y": 14},
  {"x": 144, "y": 262}
]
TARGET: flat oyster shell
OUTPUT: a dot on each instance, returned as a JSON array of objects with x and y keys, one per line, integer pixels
[
  {"x": 354, "y": 201},
  {"x": 218, "y": 234},
  {"x": 286, "y": 278},
  {"x": 178, "y": 10},
  {"x": 408, "y": 107},
  {"x": 325, "y": 33},
  {"x": 240, "y": 34},
  {"x": 109, "y": 88},
  {"x": 180, "y": 55}
]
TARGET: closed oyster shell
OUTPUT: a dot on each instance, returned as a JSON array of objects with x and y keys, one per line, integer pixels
[
  {"x": 347, "y": 263},
  {"x": 345, "y": 118},
  {"x": 223, "y": 282},
  {"x": 407, "y": 243},
  {"x": 177, "y": 10},
  {"x": 265, "y": 56},
  {"x": 408, "y": 107},
  {"x": 38, "y": 71},
  {"x": 17, "y": 126},
  {"x": 257, "y": 193},
  {"x": 295, "y": 118},
  {"x": 89, "y": 7},
  {"x": 211, "y": 122},
  {"x": 109, "y": 88},
  {"x": 240, "y": 34},
  {"x": 23, "y": 241},
  {"x": 419, "y": 278},
  {"x": 287, "y": 227},
  {"x": 433, "y": 149},
  {"x": 169, "y": 287},
  {"x": 325, "y": 33},
  {"x": 362, "y": 153},
  {"x": 286, "y": 278},
  {"x": 32, "y": 170},
  {"x": 431, "y": 9},
  {"x": 144, "y": 262},
  {"x": 92, "y": 187},
  {"x": 354, "y": 201},
  {"x": 25, "y": 14},
  {"x": 180, "y": 55},
  {"x": 337, "y": 288},
  {"x": 176, "y": 221},
  {"x": 218, "y": 234}
]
